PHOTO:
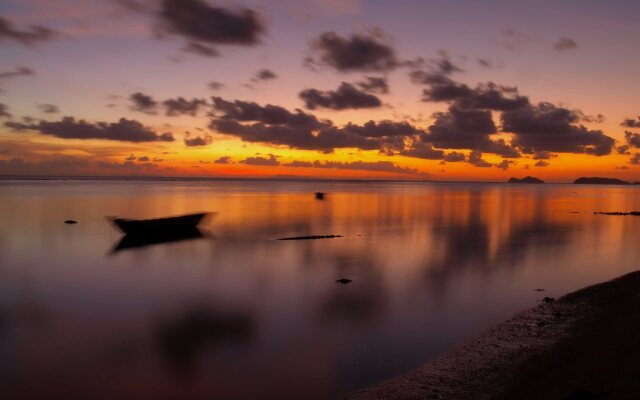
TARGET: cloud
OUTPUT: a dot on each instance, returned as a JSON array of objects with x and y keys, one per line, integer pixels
[
  {"x": 195, "y": 141},
  {"x": 201, "y": 49},
  {"x": 214, "y": 85},
  {"x": 546, "y": 127},
  {"x": 279, "y": 126},
  {"x": 358, "y": 52},
  {"x": 383, "y": 128},
  {"x": 223, "y": 160},
  {"x": 623, "y": 149},
  {"x": 4, "y": 111},
  {"x": 48, "y": 108},
  {"x": 143, "y": 103},
  {"x": 635, "y": 160},
  {"x": 264, "y": 75},
  {"x": 633, "y": 139},
  {"x": 143, "y": 158},
  {"x": 374, "y": 84},
  {"x": 485, "y": 62},
  {"x": 245, "y": 111},
  {"x": 467, "y": 129},
  {"x": 345, "y": 97},
  {"x": 454, "y": 156},
  {"x": 181, "y": 106},
  {"x": 19, "y": 71},
  {"x": 504, "y": 164},
  {"x": 631, "y": 123},
  {"x": 565, "y": 43},
  {"x": 543, "y": 155},
  {"x": 172, "y": 107},
  {"x": 488, "y": 96},
  {"x": 475, "y": 159},
  {"x": 198, "y": 21},
  {"x": 35, "y": 34},
  {"x": 264, "y": 161},
  {"x": 381, "y": 166},
  {"x": 424, "y": 151},
  {"x": 124, "y": 130},
  {"x": 541, "y": 163}
]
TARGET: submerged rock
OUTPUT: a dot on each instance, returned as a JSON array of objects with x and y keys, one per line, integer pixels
[{"x": 312, "y": 237}]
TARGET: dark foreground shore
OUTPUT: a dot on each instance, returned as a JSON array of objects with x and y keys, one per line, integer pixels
[{"x": 585, "y": 345}]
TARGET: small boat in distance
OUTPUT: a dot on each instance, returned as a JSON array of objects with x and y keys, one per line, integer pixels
[{"x": 158, "y": 225}]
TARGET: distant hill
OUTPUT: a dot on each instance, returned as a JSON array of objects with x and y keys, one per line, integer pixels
[
  {"x": 526, "y": 179},
  {"x": 600, "y": 181}
]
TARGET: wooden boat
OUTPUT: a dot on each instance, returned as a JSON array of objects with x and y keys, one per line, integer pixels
[{"x": 158, "y": 225}]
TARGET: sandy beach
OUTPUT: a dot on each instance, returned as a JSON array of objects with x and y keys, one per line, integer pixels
[{"x": 584, "y": 345}]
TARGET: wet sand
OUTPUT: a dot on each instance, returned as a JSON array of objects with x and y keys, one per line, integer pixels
[{"x": 585, "y": 345}]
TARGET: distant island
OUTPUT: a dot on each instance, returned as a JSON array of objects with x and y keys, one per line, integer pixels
[
  {"x": 526, "y": 179},
  {"x": 600, "y": 181}
]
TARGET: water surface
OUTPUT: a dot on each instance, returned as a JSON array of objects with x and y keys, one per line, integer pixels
[{"x": 236, "y": 314}]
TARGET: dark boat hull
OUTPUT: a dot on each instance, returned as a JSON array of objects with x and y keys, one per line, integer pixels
[{"x": 159, "y": 225}]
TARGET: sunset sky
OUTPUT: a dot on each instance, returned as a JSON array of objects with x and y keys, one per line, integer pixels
[{"x": 426, "y": 90}]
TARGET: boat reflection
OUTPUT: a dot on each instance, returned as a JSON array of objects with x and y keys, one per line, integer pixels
[{"x": 135, "y": 241}]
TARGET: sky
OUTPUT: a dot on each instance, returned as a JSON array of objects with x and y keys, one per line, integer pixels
[{"x": 347, "y": 89}]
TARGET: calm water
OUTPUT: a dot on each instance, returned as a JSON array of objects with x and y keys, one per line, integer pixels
[{"x": 236, "y": 314}]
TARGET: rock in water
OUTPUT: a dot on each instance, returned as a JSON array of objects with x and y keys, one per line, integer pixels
[
  {"x": 344, "y": 281},
  {"x": 526, "y": 179},
  {"x": 70, "y": 222}
]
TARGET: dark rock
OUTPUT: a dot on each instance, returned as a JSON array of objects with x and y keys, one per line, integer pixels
[
  {"x": 548, "y": 299},
  {"x": 539, "y": 290},
  {"x": 344, "y": 281},
  {"x": 312, "y": 237},
  {"x": 526, "y": 179},
  {"x": 70, "y": 222},
  {"x": 600, "y": 181},
  {"x": 634, "y": 213},
  {"x": 319, "y": 196}
]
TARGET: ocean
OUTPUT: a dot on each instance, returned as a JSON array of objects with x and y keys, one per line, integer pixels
[{"x": 234, "y": 313}]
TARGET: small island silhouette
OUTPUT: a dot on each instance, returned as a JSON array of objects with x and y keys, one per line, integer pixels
[
  {"x": 526, "y": 179},
  {"x": 600, "y": 181}
]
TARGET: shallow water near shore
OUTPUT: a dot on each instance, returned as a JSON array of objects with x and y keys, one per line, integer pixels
[{"x": 235, "y": 313}]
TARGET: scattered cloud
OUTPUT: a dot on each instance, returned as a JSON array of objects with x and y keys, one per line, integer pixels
[
  {"x": 223, "y": 160},
  {"x": 264, "y": 75},
  {"x": 380, "y": 166},
  {"x": 475, "y": 159},
  {"x": 201, "y": 49},
  {"x": 345, "y": 97},
  {"x": 214, "y": 85},
  {"x": 358, "y": 52},
  {"x": 373, "y": 84},
  {"x": 29, "y": 37},
  {"x": 198, "y": 21},
  {"x": 4, "y": 111},
  {"x": 181, "y": 106},
  {"x": 143, "y": 103},
  {"x": 546, "y": 127},
  {"x": 196, "y": 141},
  {"x": 271, "y": 160},
  {"x": 564, "y": 44},
  {"x": 631, "y": 123},
  {"x": 633, "y": 139},
  {"x": 124, "y": 130},
  {"x": 48, "y": 108},
  {"x": 541, "y": 163}
]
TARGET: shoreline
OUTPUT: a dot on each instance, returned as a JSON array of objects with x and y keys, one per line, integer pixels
[{"x": 575, "y": 347}]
